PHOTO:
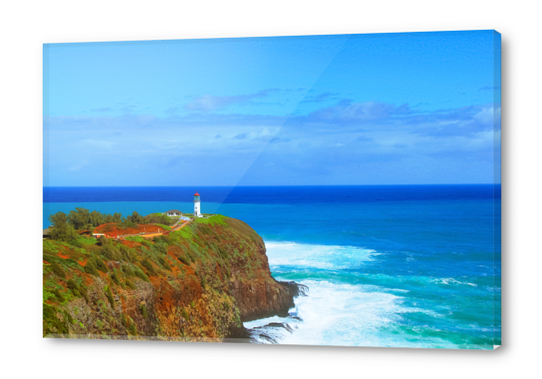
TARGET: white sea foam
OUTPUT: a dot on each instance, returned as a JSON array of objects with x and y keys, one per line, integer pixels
[
  {"x": 341, "y": 315},
  {"x": 452, "y": 281},
  {"x": 338, "y": 313},
  {"x": 317, "y": 256}
]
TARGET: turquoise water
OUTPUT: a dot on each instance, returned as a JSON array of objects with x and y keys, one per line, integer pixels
[{"x": 394, "y": 266}]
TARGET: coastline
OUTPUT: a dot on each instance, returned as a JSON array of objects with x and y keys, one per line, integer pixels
[{"x": 198, "y": 283}]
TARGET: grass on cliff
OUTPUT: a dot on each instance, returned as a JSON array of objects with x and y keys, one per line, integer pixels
[
  {"x": 185, "y": 233},
  {"x": 97, "y": 275},
  {"x": 212, "y": 220}
]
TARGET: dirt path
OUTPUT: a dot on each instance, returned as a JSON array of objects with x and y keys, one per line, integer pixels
[
  {"x": 178, "y": 227},
  {"x": 151, "y": 235}
]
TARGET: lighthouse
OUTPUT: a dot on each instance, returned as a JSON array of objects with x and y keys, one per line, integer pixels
[{"x": 197, "y": 205}]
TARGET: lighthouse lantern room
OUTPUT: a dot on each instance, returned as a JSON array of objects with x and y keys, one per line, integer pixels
[{"x": 197, "y": 205}]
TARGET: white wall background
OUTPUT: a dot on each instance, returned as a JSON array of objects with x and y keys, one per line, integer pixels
[{"x": 25, "y": 25}]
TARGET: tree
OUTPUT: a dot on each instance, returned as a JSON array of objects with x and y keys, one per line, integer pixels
[
  {"x": 159, "y": 218},
  {"x": 117, "y": 217},
  {"x": 80, "y": 218},
  {"x": 136, "y": 218},
  {"x": 96, "y": 218},
  {"x": 62, "y": 230}
]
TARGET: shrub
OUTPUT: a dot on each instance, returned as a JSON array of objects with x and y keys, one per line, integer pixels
[
  {"x": 143, "y": 310},
  {"x": 128, "y": 224},
  {"x": 148, "y": 265},
  {"x": 58, "y": 270},
  {"x": 140, "y": 274},
  {"x": 159, "y": 218},
  {"x": 164, "y": 263},
  {"x": 111, "y": 253},
  {"x": 129, "y": 284},
  {"x": 126, "y": 253},
  {"x": 161, "y": 247},
  {"x": 100, "y": 265},
  {"x": 115, "y": 278},
  {"x": 109, "y": 296},
  {"x": 132, "y": 329},
  {"x": 129, "y": 254},
  {"x": 127, "y": 270},
  {"x": 83, "y": 291},
  {"x": 73, "y": 287},
  {"x": 102, "y": 240},
  {"x": 51, "y": 322},
  {"x": 191, "y": 256},
  {"x": 90, "y": 268},
  {"x": 58, "y": 295},
  {"x": 72, "y": 284},
  {"x": 135, "y": 239},
  {"x": 184, "y": 259},
  {"x": 68, "y": 317}
]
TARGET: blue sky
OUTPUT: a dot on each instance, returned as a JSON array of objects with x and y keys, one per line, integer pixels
[{"x": 407, "y": 108}]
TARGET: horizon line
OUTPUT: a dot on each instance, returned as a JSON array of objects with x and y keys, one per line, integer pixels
[{"x": 285, "y": 185}]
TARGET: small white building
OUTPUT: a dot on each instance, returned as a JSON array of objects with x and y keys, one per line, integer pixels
[
  {"x": 197, "y": 205},
  {"x": 174, "y": 213}
]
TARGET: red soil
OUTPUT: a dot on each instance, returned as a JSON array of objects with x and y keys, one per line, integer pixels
[
  {"x": 130, "y": 243},
  {"x": 113, "y": 230}
]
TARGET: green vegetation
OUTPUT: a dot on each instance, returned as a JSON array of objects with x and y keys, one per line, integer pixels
[
  {"x": 52, "y": 323},
  {"x": 148, "y": 265},
  {"x": 64, "y": 227},
  {"x": 91, "y": 269},
  {"x": 187, "y": 272},
  {"x": 213, "y": 220},
  {"x": 82, "y": 218},
  {"x": 58, "y": 270},
  {"x": 109, "y": 296},
  {"x": 177, "y": 236},
  {"x": 159, "y": 218},
  {"x": 143, "y": 310},
  {"x": 83, "y": 241},
  {"x": 135, "y": 239},
  {"x": 61, "y": 229},
  {"x": 129, "y": 284},
  {"x": 127, "y": 224}
]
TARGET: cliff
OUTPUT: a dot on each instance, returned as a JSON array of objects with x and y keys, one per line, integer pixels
[{"x": 197, "y": 284}]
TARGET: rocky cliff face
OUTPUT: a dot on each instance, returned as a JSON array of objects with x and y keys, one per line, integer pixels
[{"x": 198, "y": 284}]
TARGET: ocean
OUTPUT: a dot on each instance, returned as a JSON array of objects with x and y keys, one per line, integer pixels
[{"x": 387, "y": 266}]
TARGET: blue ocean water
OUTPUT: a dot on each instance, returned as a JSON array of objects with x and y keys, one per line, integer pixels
[{"x": 394, "y": 266}]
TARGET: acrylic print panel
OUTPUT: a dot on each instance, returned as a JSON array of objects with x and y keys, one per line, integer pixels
[{"x": 335, "y": 190}]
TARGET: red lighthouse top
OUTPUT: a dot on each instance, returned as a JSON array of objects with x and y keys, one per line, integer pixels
[{"x": 197, "y": 194}]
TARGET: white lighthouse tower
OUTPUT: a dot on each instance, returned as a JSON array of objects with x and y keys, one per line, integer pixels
[{"x": 197, "y": 205}]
